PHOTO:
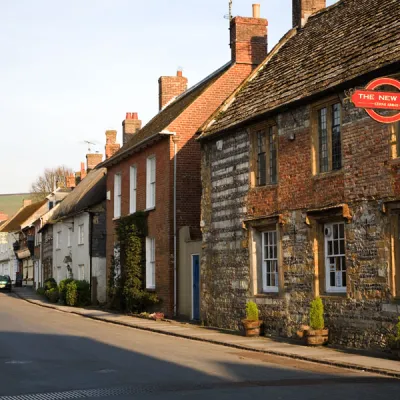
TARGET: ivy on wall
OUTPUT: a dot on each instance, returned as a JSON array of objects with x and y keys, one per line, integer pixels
[{"x": 128, "y": 268}]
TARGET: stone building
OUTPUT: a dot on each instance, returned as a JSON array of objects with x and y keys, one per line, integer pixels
[
  {"x": 301, "y": 190},
  {"x": 158, "y": 170}
]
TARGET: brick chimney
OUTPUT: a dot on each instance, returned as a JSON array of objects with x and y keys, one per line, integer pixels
[
  {"x": 130, "y": 125},
  {"x": 249, "y": 43},
  {"x": 302, "y": 9},
  {"x": 92, "y": 160},
  {"x": 26, "y": 202},
  {"x": 170, "y": 87},
  {"x": 111, "y": 143},
  {"x": 3, "y": 217},
  {"x": 71, "y": 181}
]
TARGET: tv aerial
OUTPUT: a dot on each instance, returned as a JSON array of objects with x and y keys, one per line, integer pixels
[
  {"x": 89, "y": 144},
  {"x": 229, "y": 16}
]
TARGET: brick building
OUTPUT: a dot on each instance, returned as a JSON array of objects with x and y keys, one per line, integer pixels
[
  {"x": 158, "y": 168},
  {"x": 301, "y": 189}
]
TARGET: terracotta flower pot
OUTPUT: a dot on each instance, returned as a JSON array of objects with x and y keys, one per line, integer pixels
[
  {"x": 317, "y": 337},
  {"x": 251, "y": 328}
]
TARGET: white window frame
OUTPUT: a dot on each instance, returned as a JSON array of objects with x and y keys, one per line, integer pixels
[
  {"x": 270, "y": 265},
  {"x": 81, "y": 234},
  {"x": 338, "y": 253},
  {"x": 69, "y": 237},
  {"x": 150, "y": 263},
  {"x": 132, "y": 189},
  {"x": 151, "y": 182},
  {"x": 117, "y": 195},
  {"x": 81, "y": 270},
  {"x": 58, "y": 240}
]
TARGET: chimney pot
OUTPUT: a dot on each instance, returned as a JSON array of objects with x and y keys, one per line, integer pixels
[
  {"x": 256, "y": 11},
  {"x": 134, "y": 115},
  {"x": 179, "y": 72}
]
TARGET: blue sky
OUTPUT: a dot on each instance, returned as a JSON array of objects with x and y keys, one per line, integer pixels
[{"x": 71, "y": 69}]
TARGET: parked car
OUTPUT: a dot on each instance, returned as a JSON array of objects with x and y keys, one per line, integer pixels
[{"x": 5, "y": 282}]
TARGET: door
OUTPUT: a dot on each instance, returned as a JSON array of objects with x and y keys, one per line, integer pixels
[{"x": 195, "y": 286}]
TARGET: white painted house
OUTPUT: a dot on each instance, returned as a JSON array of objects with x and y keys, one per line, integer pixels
[
  {"x": 79, "y": 235},
  {"x": 8, "y": 260}
]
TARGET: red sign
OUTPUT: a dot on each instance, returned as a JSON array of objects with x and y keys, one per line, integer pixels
[{"x": 371, "y": 99}]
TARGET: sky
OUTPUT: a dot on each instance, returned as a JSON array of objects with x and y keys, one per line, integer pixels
[{"x": 71, "y": 69}]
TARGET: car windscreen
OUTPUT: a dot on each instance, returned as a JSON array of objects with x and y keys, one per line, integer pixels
[{"x": 3, "y": 278}]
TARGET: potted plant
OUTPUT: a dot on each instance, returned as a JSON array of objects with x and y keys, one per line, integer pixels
[
  {"x": 394, "y": 341},
  {"x": 316, "y": 335},
  {"x": 251, "y": 323}
]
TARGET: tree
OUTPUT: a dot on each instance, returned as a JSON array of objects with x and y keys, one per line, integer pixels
[{"x": 48, "y": 181}]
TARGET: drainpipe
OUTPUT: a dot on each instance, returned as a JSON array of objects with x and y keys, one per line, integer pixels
[
  {"x": 174, "y": 139},
  {"x": 90, "y": 251}
]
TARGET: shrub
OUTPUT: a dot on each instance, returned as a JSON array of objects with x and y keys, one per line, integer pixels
[
  {"x": 83, "y": 289},
  {"x": 53, "y": 295},
  {"x": 251, "y": 311},
  {"x": 50, "y": 283},
  {"x": 394, "y": 340},
  {"x": 41, "y": 291},
  {"x": 62, "y": 288},
  {"x": 71, "y": 295},
  {"x": 317, "y": 314}
]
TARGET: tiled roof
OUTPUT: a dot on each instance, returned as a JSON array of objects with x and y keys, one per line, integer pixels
[
  {"x": 89, "y": 192},
  {"x": 166, "y": 116},
  {"x": 338, "y": 44},
  {"x": 14, "y": 224}
]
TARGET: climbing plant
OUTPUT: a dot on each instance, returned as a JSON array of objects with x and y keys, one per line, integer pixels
[{"x": 131, "y": 233}]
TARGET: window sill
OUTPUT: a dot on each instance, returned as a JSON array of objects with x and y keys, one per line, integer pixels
[
  {"x": 395, "y": 162},
  {"x": 267, "y": 186},
  {"x": 334, "y": 296},
  {"x": 116, "y": 218},
  {"x": 322, "y": 175},
  {"x": 150, "y": 208},
  {"x": 81, "y": 244},
  {"x": 151, "y": 289},
  {"x": 58, "y": 249},
  {"x": 267, "y": 295}
]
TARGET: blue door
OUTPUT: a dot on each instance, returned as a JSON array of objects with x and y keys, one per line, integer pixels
[{"x": 196, "y": 286}]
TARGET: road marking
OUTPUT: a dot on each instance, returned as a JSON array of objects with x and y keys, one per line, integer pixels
[{"x": 18, "y": 362}]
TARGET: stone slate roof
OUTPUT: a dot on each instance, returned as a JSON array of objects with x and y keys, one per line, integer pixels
[
  {"x": 337, "y": 44},
  {"x": 14, "y": 224},
  {"x": 165, "y": 117},
  {"x": 89, "y": 192}
]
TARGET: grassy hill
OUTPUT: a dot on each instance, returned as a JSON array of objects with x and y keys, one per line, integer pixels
[{"x": 11, "y": 203}]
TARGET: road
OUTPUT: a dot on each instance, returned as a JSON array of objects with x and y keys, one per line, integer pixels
[{"x": 47, "y": 354}]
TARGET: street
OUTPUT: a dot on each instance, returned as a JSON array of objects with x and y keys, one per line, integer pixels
[{"x": 48, "y": 354}]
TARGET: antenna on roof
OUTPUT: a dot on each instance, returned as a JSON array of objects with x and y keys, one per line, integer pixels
[
  {"x": 89, "y": 143},
  {"x": 229, "y": 16}
]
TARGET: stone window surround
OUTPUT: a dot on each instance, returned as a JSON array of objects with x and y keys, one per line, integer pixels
[
  {"x": 315, "y": 107},
  {"x": 255, "y": 228},
  {"x": 253, "y": 130},
  {"x": 395, "y": 140},
  {"x": 393, "y": 209},
  {"x": 317, "y": 219}
]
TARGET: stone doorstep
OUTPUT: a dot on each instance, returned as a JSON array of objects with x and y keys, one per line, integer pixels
[{"x": 322, "y": 356}]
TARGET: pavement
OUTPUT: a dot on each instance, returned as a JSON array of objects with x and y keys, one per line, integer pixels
[
  {"x": 48, "y": 354},
  {"x": 350, "y": 359}
]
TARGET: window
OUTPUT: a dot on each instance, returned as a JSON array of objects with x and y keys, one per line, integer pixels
[
  {"x": 335, "y": 259},
  {"x": 395, "y": 140},
  {"x": 151, "y": 182},
  {"x": 69, "y": 236},
  {"x": 58, "y": 240},
  {"x": 81, "y": 272},
  {"x": 81, "y": 234},
  {"x": 328, "y": 140},
  {"x": 269, "y": 261},
  {"x": 266, "y": 156},
  {"x": 117, "y": 195},
  {"x": 132, "y": 189},
  {"x": 150, "y": 263}
]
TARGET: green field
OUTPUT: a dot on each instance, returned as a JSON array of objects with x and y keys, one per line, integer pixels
[{"x": 11, "y": 203}]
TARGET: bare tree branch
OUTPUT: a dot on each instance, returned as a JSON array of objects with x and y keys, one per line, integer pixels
[{"x": 50, "y": 180}]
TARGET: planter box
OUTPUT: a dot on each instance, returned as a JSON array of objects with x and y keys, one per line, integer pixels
[
  {"x": 317, "y": 337},
  {"x": 251, "y": 328}
]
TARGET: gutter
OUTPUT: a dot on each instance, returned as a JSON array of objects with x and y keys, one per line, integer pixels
[{"x": 174, "y": 139}]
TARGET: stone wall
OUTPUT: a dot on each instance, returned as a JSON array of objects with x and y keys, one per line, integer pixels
[{"x": 365, "y": 315}]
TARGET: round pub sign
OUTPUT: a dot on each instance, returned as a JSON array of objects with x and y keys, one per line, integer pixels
[{"x": 371, "y": 99}]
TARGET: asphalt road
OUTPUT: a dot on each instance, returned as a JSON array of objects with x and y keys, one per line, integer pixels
[{"x": 47, "y": 354}]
